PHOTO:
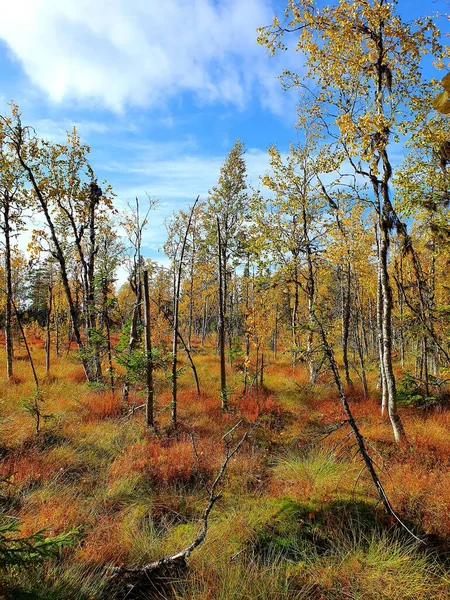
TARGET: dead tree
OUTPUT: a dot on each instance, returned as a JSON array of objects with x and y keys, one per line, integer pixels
[
  {"x": 176, "y": 305},
  {"x": 148, "y": 355},
  {"x": 168, "y": 318},
  {"x": 222, "y": 296},
  {"x": 48, "y": 327}
]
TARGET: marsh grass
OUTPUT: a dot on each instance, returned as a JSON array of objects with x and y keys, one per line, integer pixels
[{"x": 291, "y": 523}]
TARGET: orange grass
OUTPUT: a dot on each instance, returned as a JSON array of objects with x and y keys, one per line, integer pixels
[
  {"x": 254, "y": 405},
  {"x": 105, "y": 543},
  {"x": 26, "y": 469},
  {"x": 101, "y": 405},
  {"x": 164, "y": 461},
  {"x": 75, "y": 480},
  {"x": 55, "y": 515},
  {"x": 77, "y": 375}
]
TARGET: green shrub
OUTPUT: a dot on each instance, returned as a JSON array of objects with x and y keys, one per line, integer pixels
[{"x": 19, "y": 550}]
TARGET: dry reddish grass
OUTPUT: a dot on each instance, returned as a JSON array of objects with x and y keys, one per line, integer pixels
[
  {"x": 101, "y": 405},
  {"x": 165, "y": 461},
  {"x": 76, "y": 375},
  {"x": 421, "y": 495},
  {"x": 57, "y": 514},
  {"x": 105, "y": 543},
  {"x": 26, "y": 469},
  {"x": 111, "y": 450},
  {"x": 254, "y": 405}
]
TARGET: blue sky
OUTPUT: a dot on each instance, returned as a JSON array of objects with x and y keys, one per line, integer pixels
[{"x": 159, "y": 89}]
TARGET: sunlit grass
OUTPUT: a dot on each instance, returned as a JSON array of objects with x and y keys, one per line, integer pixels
[{"x": 136, "y": 495}]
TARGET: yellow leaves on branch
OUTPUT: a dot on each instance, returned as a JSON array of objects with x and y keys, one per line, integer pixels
[
  {"x": 361, "y": 58},
  {"x": 442, "y": 102}
]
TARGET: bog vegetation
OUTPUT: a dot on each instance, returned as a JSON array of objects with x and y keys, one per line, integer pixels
[{"x": 266, "y": 415}]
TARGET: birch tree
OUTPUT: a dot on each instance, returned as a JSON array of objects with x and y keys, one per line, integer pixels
[{"x": 363, "y": 62}]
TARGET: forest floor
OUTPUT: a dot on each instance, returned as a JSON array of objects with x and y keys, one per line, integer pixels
[{"x": 299, "y": 518}]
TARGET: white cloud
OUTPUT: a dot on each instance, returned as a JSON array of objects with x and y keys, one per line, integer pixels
[
  {"x": 170, "y": 172},
  {"x": 140, "y": 52},
  {"x": 56, "y": 131},
  {"x": 176, "y": 176}
]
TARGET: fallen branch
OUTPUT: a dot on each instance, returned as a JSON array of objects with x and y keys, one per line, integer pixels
[
  {"x": 153, "y": 574},
  {"x": 367, "y": 459}
]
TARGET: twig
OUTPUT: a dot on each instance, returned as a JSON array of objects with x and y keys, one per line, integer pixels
[
  {"x": 178, "y": 560},
  {"x": 232, "y": 429}
]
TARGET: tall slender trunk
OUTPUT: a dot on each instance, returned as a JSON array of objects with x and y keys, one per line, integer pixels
[
  {"x": 346, "y": 298},
  {"x": 148, "y": 355},
  {"x": 386, "y": 218},
  {"x": 191, "y": 299},
  {"x": 359, "y": 339},
  {"x": 310, "y": 293},
  {"x": 57, "y": 333},
  {"x": 294, "y": 316},
  {"x": 95, "y": 193},
  {"x": 47, "y": 334},
  {"x": 247, "y": 331},
  {"x": 27, "y": 348},
  {"x": 362, "y": 363},
  {"x": 230, "y": 321},
  {"x": 382, "y": 376},
  {"x": 223, "y": 375},
  {"x": 176, "y": 304},
  {"x": 108, "y": 335},
  {"x": 9, "y": 292},
  {"x": 133, "y": 339},
  {"x": 173, "y": 405},
  {"x": 261, "y": 379},
  {"x": 275, "y": 333},
  {"x": 426, "y": 377},
  {"x": 386, "y": 327},
  {"x": 401, "y": 310},
  {"x": 204, "y": 321}
]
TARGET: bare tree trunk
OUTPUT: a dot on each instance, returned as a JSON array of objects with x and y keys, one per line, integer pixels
[
  {"x": 176, "y": 305},
  {"x": 57, "y": 336},
  {"x": 108, "y": 336},
  {"x": 27, "y": 348},
  {"x": 230, "y": 320},
  {"x": 47, "y": 334},
  {"x": 359, "y": 338},
  {"x": 148, "y": 354},
  {"x": 346, "y": 297},
  {"x": 426, "y": 377},
  {"x": 400, "y": 304},
  {"x": 310, "y": 293},
  {"x": 294, "y": 316},
  {"x": 382, "y": 376},
  {"x": 261, "y": 379},
  {"x": 247, "y": 331},
  {"x": 223, "y": 375},
  {"x": 362, "y": 364},
  {"x": 191, "y": 301},
  {"x": 9, "y": 293},
  {"x": 386, "y": 328},
  {"x": 204, "y": 321},
  {"x": 132, "y": 342},
  {"x": 95, "y": 193},
  {"x": 275, "y": 333}
]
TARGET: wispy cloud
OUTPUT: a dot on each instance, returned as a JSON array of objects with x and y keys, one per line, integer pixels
[
  {"x": 175, "y": 175},
  {"x": 121, "y": 53}
]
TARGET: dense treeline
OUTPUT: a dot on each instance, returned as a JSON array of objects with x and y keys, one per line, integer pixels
[{"x": 256, "y": 269}]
